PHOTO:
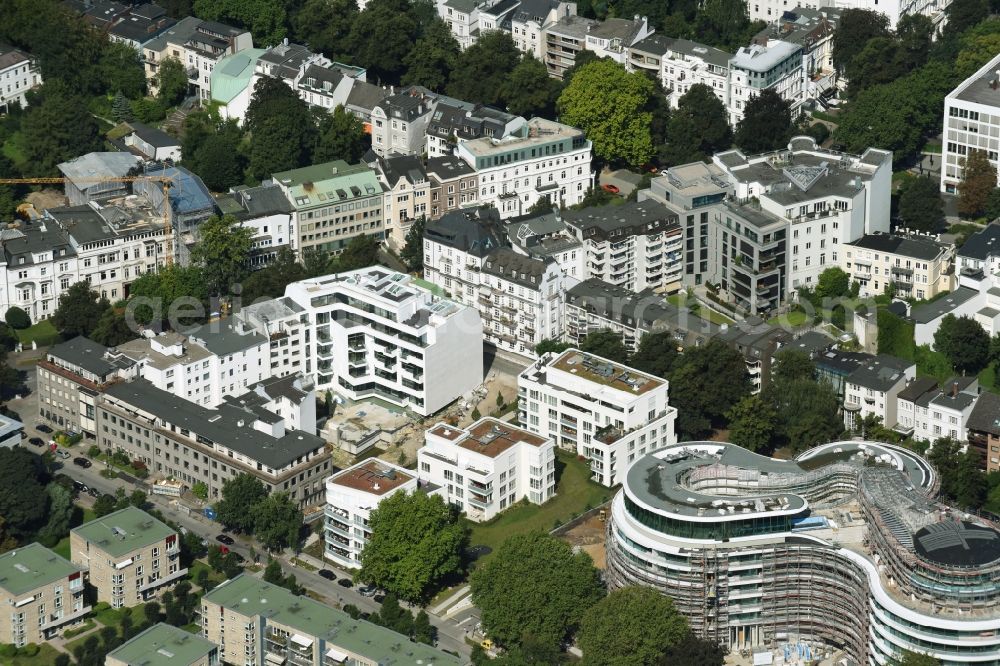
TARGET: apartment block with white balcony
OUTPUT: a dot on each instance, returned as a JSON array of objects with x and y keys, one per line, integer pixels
[
  {"x": 488, "y": 466},
  {"x": 680, "y": 64},
  {"x": 637, "y": 245},
  {"x": 351, "y": 496},
  {"x": 928, "y": 412},
  {"x": 373, "y": 333},
  {"x": 41, "y": 593},
  {"x": 129, "y": 554},
  {"x": 542, "y": 159},
  {"x": 754, "y": 68},
  {"x": 971, "y": 122},
  {"x": 873, "y": 390},
  {"x": 917, "y": 266},
  {"x": 604, "y": 411}
]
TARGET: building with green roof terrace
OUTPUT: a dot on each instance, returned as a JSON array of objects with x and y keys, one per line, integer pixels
[
  {"x": 231, "y": 78},
  {"x": 276, "y": 626},
  {"x": 334, "y": 202},
  {"x": 165, "y": 645},
  {"x": 40, "y": 592},
  {"x": 130, "y": 555}
]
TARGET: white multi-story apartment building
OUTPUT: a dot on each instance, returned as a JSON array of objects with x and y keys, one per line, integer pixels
[
  {"x": 754, "y": 68},
  {"x": 453, "y": 120},
  {"x": 351, "y": 496},
  {"x": 107, "y": 246},
  {"x": 928, "y": 413},
  {"x": 399, "y": 122},
  {"x": 873, "y": 390},
  {"x": 519, "y": 297},
  {"x": 267, "y": 212},
  {"x": 529, "y": 20},
  {"x": 488, "y": 466},
  {"x": 637, "y": 245},
  {"x": 18, "y": 74},
  {"x": 971, "y": 122},
  {"x": 373, "y": 332},
  {"x": 813, "y": 30},
  {"x": 202, "y": 367},
  {"x": 606, "y": 412},
  {"x": 462, "y": 18},
  {"x": 808, "y": 200},
  {"x": 680, "y": 64},
  {"x": 547, "y": 237},
  {"x": 199, "y": 46},
  {"x": 543, "y": 159},
  {"x": 917, "y": 267},
  {"x": 773, "y": 10},
  {"x": 612, "y": 37}
]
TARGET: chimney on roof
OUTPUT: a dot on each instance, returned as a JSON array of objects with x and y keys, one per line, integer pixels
[{"x": 954, "y": 389}]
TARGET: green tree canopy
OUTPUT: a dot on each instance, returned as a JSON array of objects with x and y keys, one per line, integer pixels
[
  {"x": 482, "y": 69},
  {"x": 23, "y": 499},
  {"x": 766, "y": 123},
  {"x": 698, "y": 128},
  {"x": 609, "y": 104},
  {"x": 270, "y": 281},
  {"x": 607, "y": 344},
  {"x": 855, "y": 29},
  {"x": 432, "y": 58},
  {"x": 979, "y": 179},
  {"x": 632, "y": 626},
  {"x": 264, "y": 18},
  {"x": 792, "y": 364},
  {"x": 222, "y": 251},
  {"x": 361, "y": 252},
  {"x": 657, "y": 354},
  {"x": 534, "y": 584},
  {"x": 695, "y": 651},
  {"x": 171, "y": 81},
  {"x": 112, "y": 328},
  {"x": 964, "y": 342},
  {"x": 282, "y": 127},
  {"x": 54, "y": 130},
  {"x": 122, "y": 70},
  {"x": 920, "y": 204},
  {"x": 529, "y": 90},
  {"x": 808, "y": 412},
  {"x": 325, "y": 25},
  {"x": 165, "y": 287},
  {"x": 341, "y": 137},
  {"x": 417, "y": 542},
  {"x": 277, "y": 521},
  {"x": 546, "y": 346},
  {"x": 964, "y": 14},
  {"x": 17, "y": 318},
  {"x": 752, "y": 423},
  {"x": 381, "y": 37},
  {"x": 218, "y": 158},
  {"x": 705, "y": 384},
  {"x": 412, "y": 253},
  {"x": 241, "y": 496},
  {"x": 833, "y": 282},
  {"x": 79, "y": 311}
]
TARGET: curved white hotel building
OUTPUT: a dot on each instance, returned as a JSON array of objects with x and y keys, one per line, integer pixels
[{"x": 844, "y": 547}]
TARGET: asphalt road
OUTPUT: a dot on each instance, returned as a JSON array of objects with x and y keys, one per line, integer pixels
[{"x": 451, "y": 635}]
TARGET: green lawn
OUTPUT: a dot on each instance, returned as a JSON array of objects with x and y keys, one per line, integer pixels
[
  {"x": 13, "y": 149},
  {"x": 933, "y": 146},
  {"x": 697, "y": 309},
  {"x": 575, "y": 493},
  {"x": 792, "y": 319},
  {"x": 113, "y": 616},
  {"x": 44, "y": 333},
  {"x": 46, "y": 657},
  {"x": 62, "y": 548},
  {"x": 713, "y": 316}
]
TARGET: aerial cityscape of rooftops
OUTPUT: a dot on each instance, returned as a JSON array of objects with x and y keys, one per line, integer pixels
[{"x": 513, "y": 332}]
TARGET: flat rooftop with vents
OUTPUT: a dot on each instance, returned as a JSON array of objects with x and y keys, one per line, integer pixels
[
  {"x": 372, "y": 476},
  {"x": 30, "y": 567},
  {"x": 164, "y": 645},
  {"x": 124, "y": 531},
  {"x": 487, "y": 436},
  {"x": 602, "y": 371}
]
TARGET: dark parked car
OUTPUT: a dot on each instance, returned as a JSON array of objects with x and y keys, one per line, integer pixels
[
  {"x": 378, "y": 598},
  {"x": 226, "y": 539},
  {"x": 367, "y": 590},
  {"x": 36, "y": 441},
  {"x": 94, "y": 492},
  {"x": 80, "y": 487},
  {"x": 345, "y": 582},
  {"x": 326, "y": 573},
  {"x": 41, "y": 427},
  {"x": 80, "y": 461}
]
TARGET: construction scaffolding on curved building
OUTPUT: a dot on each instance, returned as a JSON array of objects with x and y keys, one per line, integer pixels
[{"x": 843, "y": 547}]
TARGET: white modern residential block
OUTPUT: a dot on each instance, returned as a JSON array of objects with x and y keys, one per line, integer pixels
[
  {"x": 488, "y": 466},
  {"x": 351, "y": 496},
  {"x": 373, "y": 333},
  {"x": 971, "y": 122},
  {"x": 18, "y": 74},
  {"x": 609, "y": 413}
]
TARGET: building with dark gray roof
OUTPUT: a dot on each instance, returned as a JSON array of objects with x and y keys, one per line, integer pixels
[
  {"x": 475, "y": 231},
  {"x": 873, "y": 389},
  {"x": 983, "y": 427},
  {"x": 234, "y": 438}
]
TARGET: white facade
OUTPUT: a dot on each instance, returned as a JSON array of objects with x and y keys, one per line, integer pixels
[
  {"x": 373, "y": 333},
  {"x": 755, "y": 68},
  {"x": 971, "y": 122},
  {"x": 772, "y": 10},
  {"x": 488, "y": 466},
  {"x": 940, "y": 412},
  {"x": 609, "y": 413},
  {"x": 547, "y": 159},
  {"x": 351, "y": 496},
  {"x": 18, "y": 74},
  {"x": 203, "y": 367},
  {"x": 680, "y": 64},
  {"x": 873, "y": 390},
  {"x": 917, "y": 267}
]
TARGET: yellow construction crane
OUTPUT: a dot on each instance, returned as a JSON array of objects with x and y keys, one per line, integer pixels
[{"x": 165, "y": 181}]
